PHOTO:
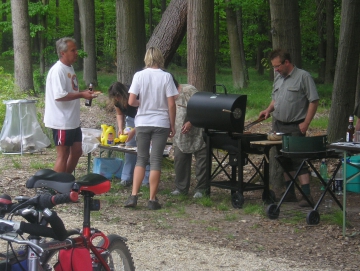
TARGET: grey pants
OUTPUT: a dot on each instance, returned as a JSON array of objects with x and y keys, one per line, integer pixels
[
  {"x": 183, "y": 170},
  {"x": 157, "y": 136}
]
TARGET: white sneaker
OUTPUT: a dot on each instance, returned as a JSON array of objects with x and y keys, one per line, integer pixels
[
  {"x": 176, "y": 192},
  {"x": 126, "y": 183},
  {"x": 198, "y": 195}
]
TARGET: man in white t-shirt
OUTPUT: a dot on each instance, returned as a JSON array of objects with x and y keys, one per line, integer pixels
[{"x": 62, "y": 106}]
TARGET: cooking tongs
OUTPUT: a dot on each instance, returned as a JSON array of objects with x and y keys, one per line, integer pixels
[{"x": 247, "y": 127}]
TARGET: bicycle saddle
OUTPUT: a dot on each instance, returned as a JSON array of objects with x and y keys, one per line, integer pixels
[
  {"x": 59, "y": 181},
  {"x": 95, "y": 183}
]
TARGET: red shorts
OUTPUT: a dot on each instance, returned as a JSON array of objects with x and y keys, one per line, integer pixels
[{"x": 67, "y": 137}]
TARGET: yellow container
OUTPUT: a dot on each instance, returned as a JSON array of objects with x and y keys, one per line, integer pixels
[{"x": 108, "y": 136}]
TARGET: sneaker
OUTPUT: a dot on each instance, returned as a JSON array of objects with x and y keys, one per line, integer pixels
[
  {"x": 176, "y": 192},
  {"x": 131, "y": 201},
  {"x": 153, "y": 205},
  {"x": 289, "y": 197},
  {"x": 198, "y": 195},
  {"x": 126, "y": 183},
  {"x": 303, "y": 202}
]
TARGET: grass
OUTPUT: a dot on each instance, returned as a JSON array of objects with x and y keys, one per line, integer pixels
[
  {"x": 334, "y": 218},
  {"x": 41, "y": 165},
  {"x": 254, "y": 209}
]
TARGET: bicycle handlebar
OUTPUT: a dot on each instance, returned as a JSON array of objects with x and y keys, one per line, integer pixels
[{"x": 43, "y": 202}]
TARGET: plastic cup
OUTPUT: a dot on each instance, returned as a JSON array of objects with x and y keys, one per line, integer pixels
[{"x": 328, "y": 203}]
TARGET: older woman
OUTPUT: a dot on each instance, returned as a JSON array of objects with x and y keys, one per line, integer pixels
[{"x": 154, "y": 122}]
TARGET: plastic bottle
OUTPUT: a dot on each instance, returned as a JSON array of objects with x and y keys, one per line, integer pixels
[
  {"x": 350, "y": 130},
  {"x": 88, "y": 102},
  {"x": 109, "y": 136},
  {"x": 323, "y": 172},
  {"x": 339, "y": 182}
]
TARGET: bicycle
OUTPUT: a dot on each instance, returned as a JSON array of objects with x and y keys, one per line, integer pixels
[{"x": 38, "y": 252}]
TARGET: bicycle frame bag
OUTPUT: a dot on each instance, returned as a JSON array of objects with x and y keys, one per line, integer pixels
[{"x": 74, "y": 259}]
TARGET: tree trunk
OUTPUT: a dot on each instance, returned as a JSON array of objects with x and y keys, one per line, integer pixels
[
  {"x": 77, "y": 33},
  {"x": 237, "y": 68},
  {"x": 217, "y": 36},
  {"x": 285, "y": 28},
  {"x": 170, "y": 31},
  {"x": 321, "y": 19},
  {"x": 358, "y": 86},
  {"x": 130, "y": 38},
  {"x": 343, "y": 97},
  {"x": 42, "y": 42},
  {"x": 163, "y": 6},
  {"x": 200, "y": 49},
  {"x": 22, "y": 45},
  {"x": 241, "y": 39},
  {"x": 87, "y": 20},
  {"x": 330, "y": 43},
  {"x": 150, "y": 17}
]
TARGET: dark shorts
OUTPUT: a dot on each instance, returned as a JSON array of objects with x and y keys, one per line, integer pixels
[{"x": 67, "y": 137}]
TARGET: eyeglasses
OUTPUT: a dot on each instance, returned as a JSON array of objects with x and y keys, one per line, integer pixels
[{"x": 278, "y": 66}]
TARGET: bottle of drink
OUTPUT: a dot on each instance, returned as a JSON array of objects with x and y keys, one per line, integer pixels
[
  {"x": 323, "y": 172},
  {"x": 339, "y": 182},
  {"x": 350, "y": 130},
  {"x": 88, "y": 102}
]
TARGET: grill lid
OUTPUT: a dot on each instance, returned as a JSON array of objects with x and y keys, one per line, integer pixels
[{"x": 225, "y": 112}]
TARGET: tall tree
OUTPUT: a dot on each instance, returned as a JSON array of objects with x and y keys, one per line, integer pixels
[
  {"x": 163, "y": 6},
  {"x": 130, "y": 38},
  {"x": 171, "y": 30},
  {"x": 321, "y": 30},
  {"x": 22, "y": 45},
  {"x": 77, "y": 33},
  {"x": 343, "y": 96},
  {"x": 285, "y": 28},
  {"x": 42, "y": 42},
  {"x": 200, "y": 38},
  {"x": 239, "y": 25},
  {"x": 330, "y": 42},
  {"x": 87, "y": 20},
  {"x": 237, "y": 65}
]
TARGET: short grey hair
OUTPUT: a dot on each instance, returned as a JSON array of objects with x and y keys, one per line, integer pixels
[{"x": 62, "y": 46}]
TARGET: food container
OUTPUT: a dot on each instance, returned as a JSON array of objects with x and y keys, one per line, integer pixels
[{"x": 301, "y": 144}]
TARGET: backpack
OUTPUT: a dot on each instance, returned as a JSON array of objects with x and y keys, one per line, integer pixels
[{"x": 74, "y": 259}]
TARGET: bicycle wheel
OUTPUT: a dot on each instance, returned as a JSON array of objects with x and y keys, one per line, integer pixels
[{"x": 119, "y": 257}]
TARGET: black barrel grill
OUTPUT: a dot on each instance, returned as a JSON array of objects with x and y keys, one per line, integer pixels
[{"x": 222, "y": 116}]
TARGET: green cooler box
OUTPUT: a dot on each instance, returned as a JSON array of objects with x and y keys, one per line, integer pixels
[{"x": 354, "y": 184}]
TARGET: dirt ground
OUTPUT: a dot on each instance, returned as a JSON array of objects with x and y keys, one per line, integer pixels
[{"x": 230, "y": 230}]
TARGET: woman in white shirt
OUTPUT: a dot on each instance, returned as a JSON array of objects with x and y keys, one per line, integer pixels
[{"x": 154, "y": 122}]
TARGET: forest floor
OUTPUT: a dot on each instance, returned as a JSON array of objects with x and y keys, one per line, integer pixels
[{"x": 203, "y": 234}]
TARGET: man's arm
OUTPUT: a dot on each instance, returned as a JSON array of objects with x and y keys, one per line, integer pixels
[
  {"x": 86, "y": 94},
  {"x": 133, "y": 101},
  {"x": 309, "y": 116},
  {"x": 266, "y": 113}
]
